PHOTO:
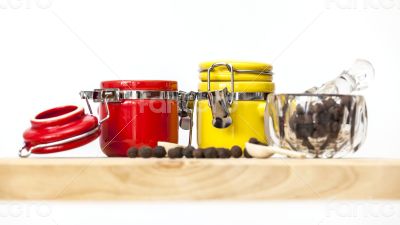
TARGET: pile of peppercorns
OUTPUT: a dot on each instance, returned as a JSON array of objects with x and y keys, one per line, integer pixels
[
  {"x": 190, "y": 152},
  {"x": 319, "y": 119}
]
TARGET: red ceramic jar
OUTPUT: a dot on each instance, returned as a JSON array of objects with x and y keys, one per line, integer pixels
[{"x": 144, "y": 113}]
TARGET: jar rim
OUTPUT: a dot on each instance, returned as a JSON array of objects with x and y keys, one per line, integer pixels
[
  {"x": 159, "y": 85},
  {"x": 238, "y": 65},
  {"x": 57, "y": 115}
]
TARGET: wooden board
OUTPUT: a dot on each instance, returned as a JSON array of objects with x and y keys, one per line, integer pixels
[{"x": 204, "y": 179}]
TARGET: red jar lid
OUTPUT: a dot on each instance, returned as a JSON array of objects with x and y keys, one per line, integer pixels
[
  {"x": 148, "y": 85},
  {"x": 51, "y": 127}
]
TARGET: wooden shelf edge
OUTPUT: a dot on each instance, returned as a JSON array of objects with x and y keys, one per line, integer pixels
[{"x": 203, "y": 179}]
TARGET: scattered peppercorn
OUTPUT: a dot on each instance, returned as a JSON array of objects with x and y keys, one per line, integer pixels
[
  {"x": 236, "y": 151},
  {"x": 198, "y": 153},
  {"x": 223, "y": 153},
  {"x": 175, "y": 152},
  {"x": 132, "y": 152},
  {"x": 188, "y": 151},
  {"x": 145, "y": 152},
  {"x": 256, "y": 141},
  {"x": 159, "y": 152},
  {"x": 253, "y": 140},
  {"x": 246, "y": 154},
  {"x": 210, "y": 153}
]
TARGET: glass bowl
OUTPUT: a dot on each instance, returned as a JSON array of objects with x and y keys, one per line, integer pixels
[{"x": 320, "y": 125}]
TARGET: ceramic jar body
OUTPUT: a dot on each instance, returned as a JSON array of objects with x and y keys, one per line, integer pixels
[
  {"x": 248, "y": 121},
  {"x": 251, "y": 87},
  {"x": 138, "y": 122}
]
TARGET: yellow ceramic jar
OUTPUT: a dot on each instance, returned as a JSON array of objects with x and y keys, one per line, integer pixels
[{"x": 252, "y": 82}]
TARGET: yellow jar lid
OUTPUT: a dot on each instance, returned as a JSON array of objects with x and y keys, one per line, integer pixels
[
  {"x": 244, "y": 71},
  {"x": 239, "y": 65},
  {"x": 240, "y": 86}
]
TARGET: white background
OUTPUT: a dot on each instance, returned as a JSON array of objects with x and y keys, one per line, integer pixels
[{"x": 52, "y": 49}]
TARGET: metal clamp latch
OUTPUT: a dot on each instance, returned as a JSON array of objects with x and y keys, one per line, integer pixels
[
  {"x": 106, "y": 96},
  {"x": 99, "y": 95},
  {"x": 186, "y": 109},
  {"x": 220, "y": 101}
]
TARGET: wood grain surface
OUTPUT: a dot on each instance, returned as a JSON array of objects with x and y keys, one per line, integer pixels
[{"x": 202, "y": 179}]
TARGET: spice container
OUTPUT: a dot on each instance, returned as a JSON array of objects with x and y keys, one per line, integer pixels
[
  {"x": 140, "y": 113},
  {"x": 132, "y": 113},
  {"x": 231, "y": 102}
]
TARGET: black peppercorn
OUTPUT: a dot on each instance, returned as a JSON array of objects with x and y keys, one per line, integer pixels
[
  {"x": 317, "y": 108},
  {"x": 256, "y": 141},
  {"x": 236, "y": 151},
  {"x": 198, "y": 153},
  {"x": 132, "y": 152},
  {"x": 175, "y": 152},
  {"x": 299, "y": 109},
  {"x": 328, "y": 103},
  {"x": 210, "y": 153},
  {"x": 188, "y": 151},
  {"x": 145, "y": 152},
  {"x": 253, "y": 141},
  {"x": 223, "y": 153},
  {"x": 159, "y": 152},
  {"x": 322, "y": 120},
  {"x": 246, "y": 154}
]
